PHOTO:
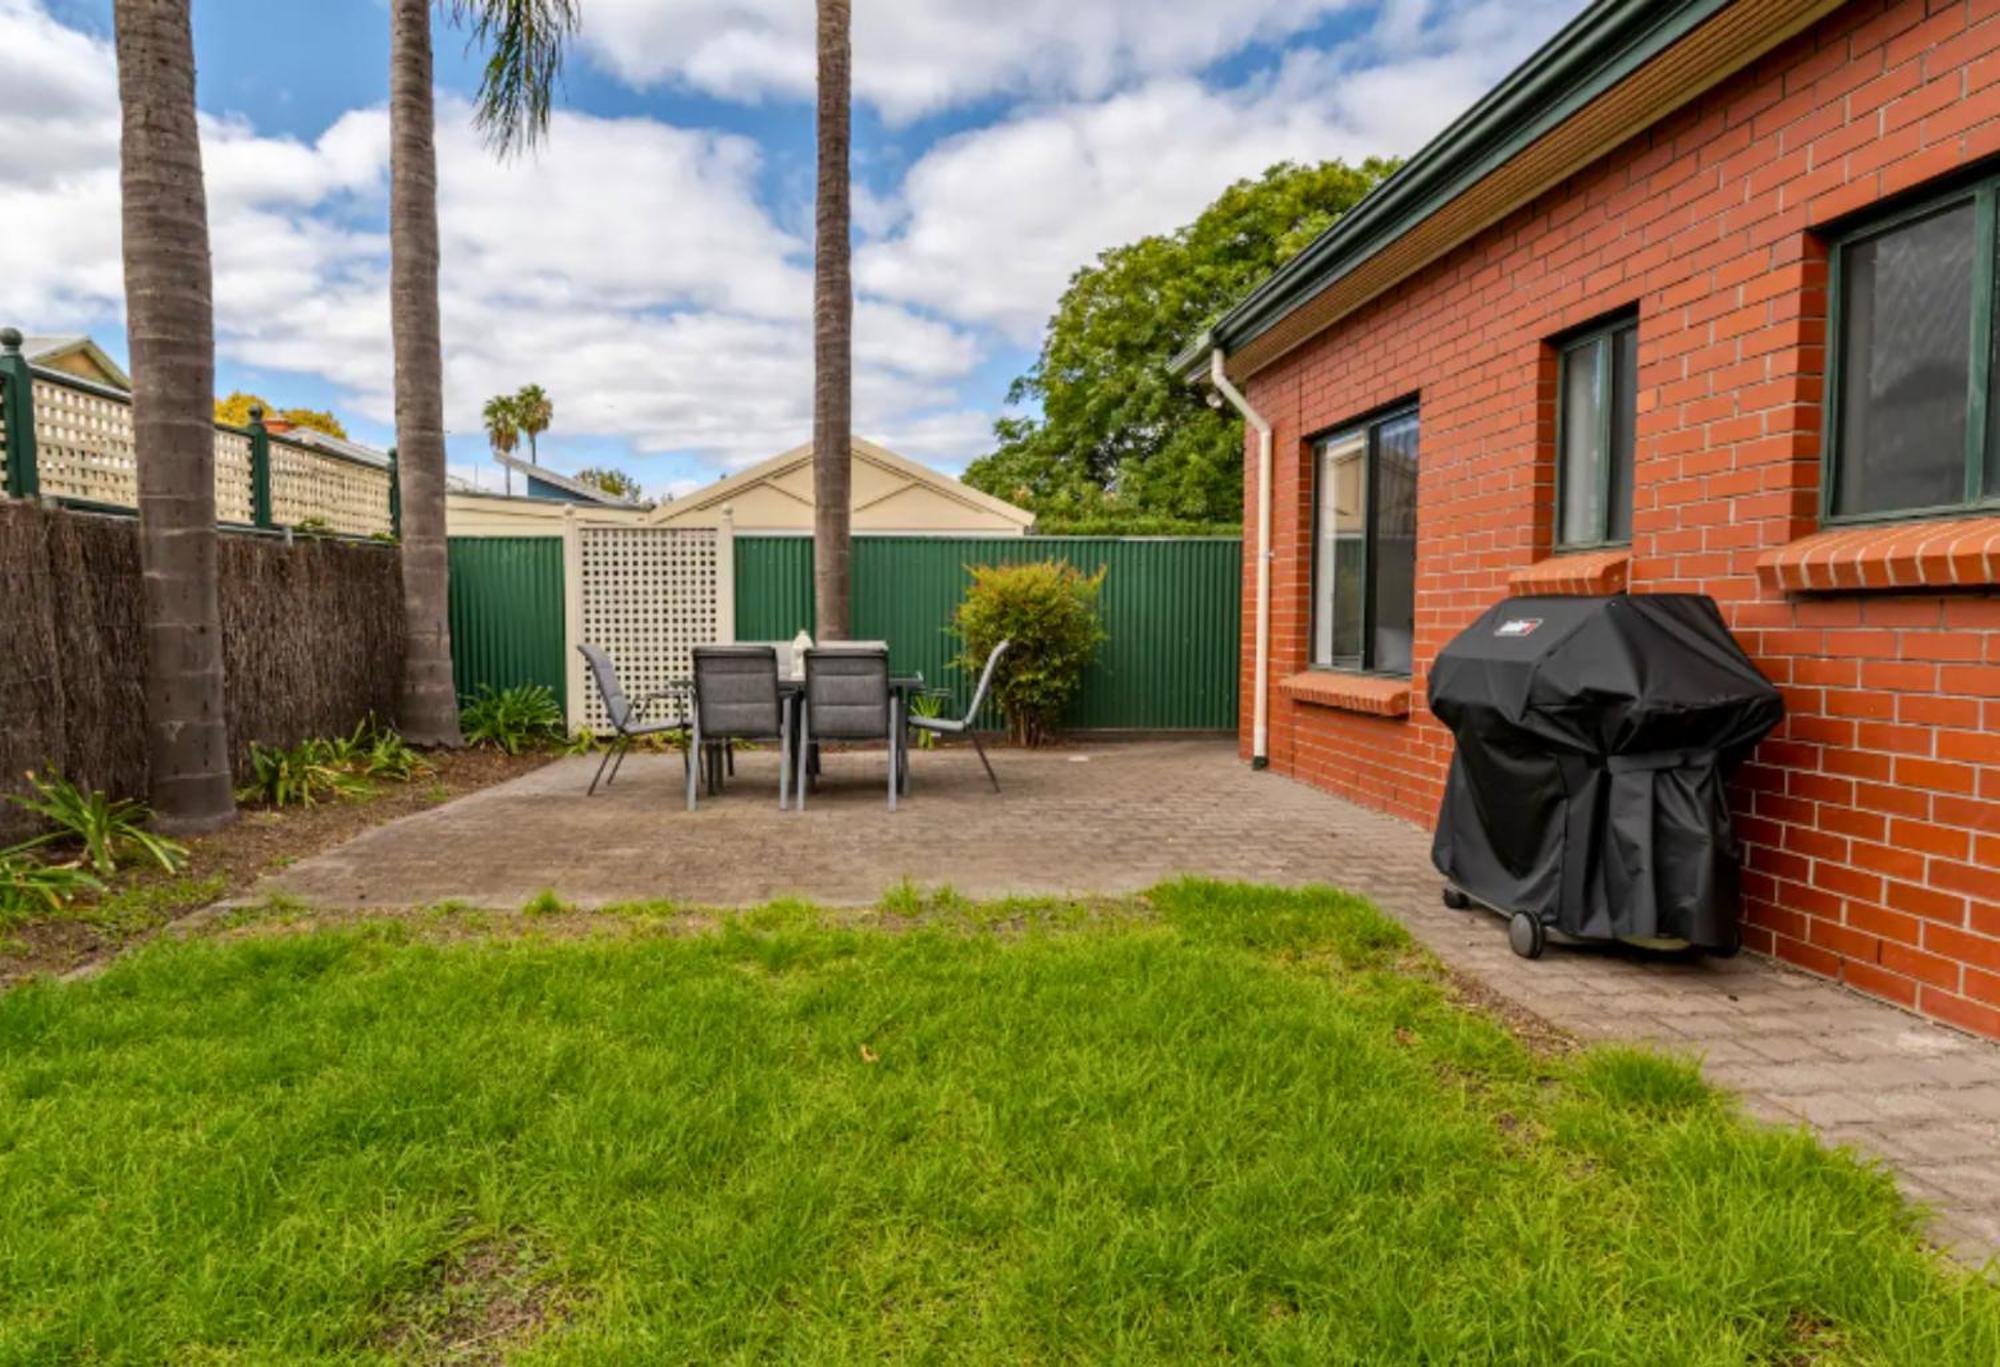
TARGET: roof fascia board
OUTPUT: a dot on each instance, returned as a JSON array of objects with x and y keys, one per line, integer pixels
[{"x": 1592, "y": 53}]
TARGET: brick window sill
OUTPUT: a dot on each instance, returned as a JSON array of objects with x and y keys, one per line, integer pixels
[
  {"x": 1365, "y": 693},
  {"x": 1574, "y": 572},
  {"x": 1956, "y": 553}
]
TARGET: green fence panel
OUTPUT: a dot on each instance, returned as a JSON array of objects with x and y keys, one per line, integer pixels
[
  {"x": 1172, "y": 613},
  {"x": 507, "y": 612},
  {"x": 774, "y": 587}
]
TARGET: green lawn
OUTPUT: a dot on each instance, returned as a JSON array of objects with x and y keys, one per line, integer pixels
[{"x": 1218, "y": 1122}]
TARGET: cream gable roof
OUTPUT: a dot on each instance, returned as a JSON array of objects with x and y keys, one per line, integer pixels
[{"x": 892, "y": 493}]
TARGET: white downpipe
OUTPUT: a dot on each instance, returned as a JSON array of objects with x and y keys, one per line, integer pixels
[{"x": 1260, "y": 713}]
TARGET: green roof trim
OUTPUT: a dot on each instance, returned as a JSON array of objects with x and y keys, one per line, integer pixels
[{"x": 1589, "y": 55}]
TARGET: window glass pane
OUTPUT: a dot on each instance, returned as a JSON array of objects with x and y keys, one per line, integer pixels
[
  {"x": 1581, "y": 456},
  {"x": 1395, "y": 514},
  {"x": 1905, "y": 343},
  {"x": 1624, "y": 432},
  {"x": 1340, "y": 559}
]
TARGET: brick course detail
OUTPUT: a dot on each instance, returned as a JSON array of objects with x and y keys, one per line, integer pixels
[{"x": 1871, "y": 819}]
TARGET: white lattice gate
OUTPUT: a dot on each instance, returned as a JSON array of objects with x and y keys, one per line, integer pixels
[{"x": 648, "y": 596}]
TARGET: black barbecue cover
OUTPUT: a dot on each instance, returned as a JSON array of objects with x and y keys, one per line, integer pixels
[{"x": 1594, "y": 735}]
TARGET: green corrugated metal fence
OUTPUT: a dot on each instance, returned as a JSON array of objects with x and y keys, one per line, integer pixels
[
  {"x": 1172, "y": 614},
  {"x": 507, "y": 612},
  {"x": 774, "y": 587}
]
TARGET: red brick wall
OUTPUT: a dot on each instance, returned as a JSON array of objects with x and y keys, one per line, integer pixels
[{"x": 1872, "y": 817}]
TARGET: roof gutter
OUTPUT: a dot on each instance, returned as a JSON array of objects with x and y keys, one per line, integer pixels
[{"x": 1260, "y": 726}]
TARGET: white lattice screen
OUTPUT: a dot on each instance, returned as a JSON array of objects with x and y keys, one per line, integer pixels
[
  {"x": 345, "y": 496},
  {"x": 650, "y": 595},
  {"x": 83, "y": 446},
  {"x": 83, "y": 450},
  {"x": 232, "y": 478}
]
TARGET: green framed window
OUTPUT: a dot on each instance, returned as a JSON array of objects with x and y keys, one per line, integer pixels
[
  {"x": 1597, "y": 409},
  {"x": 1364, "y": 604},
  {"x": 1910, "y": 422}
]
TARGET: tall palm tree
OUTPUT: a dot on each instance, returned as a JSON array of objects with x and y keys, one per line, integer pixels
[
  {"x": 502, "y": 416},
  {"x": 534, "y": 411},
  {"x": 833, "y": 329},
  {"x": 171, "y": 324},
  {"x": 524, "y": 40}
]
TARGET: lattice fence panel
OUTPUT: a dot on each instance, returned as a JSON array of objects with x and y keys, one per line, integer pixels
[
  {"x": 232, "y": 477},
  {"x": 650, "y": 595},
  {"x": 83, "y": 446},
  {"x": 346, "y": 496}
]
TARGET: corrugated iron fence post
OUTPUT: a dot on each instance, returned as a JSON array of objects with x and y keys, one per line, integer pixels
[
  {"x": 395, "y": 495},
  {"x": 260, "y": 470},
  {"x": 17, "y": 412}
]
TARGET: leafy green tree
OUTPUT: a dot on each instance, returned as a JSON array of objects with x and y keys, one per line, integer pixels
[
  {"x": 1117, "y": 439},
  {"x": 616, "y": 483},
  {"x": 235, "y": 410}
]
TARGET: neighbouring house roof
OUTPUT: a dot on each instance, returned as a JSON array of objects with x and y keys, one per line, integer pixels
[
  {"x": 339, "y": 446},
  {"x": 1614, "y": 70},
  {"x": 577, "y": 489},
  {"x": 77, "y": 355},
  {"x": 891, "y": 493}
]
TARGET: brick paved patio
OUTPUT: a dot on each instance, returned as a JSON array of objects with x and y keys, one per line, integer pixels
[{"x": 1122, "y": 817}]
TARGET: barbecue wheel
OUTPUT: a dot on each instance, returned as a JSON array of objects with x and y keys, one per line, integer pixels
[
  {"x": 1456, "y": 900},
  {"x": 1526, "y": 936}
]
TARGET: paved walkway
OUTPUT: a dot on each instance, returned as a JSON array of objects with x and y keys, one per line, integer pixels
[{"x": 1121, "y": 818}]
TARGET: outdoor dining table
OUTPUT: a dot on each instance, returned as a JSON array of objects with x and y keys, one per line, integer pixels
[{"x": 792, "y": 687}]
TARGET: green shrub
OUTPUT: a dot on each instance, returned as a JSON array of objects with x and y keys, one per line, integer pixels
[
  {"x": 302, "y": 776},
  {"x": 512, "y": 719},
  {"x": 926, "y": 704},
  {"x": 1049, "y": 611},
  {"x": 105, "y": 828},
  {"x": 319, "y": 768},
  {"x": 31, "y": 885},
  {"x": 377, "y": 751}
]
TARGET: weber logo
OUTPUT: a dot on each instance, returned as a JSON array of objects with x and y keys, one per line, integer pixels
[{"x": 1518, "y": 626}]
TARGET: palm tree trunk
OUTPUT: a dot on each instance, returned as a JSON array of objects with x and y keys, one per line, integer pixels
[
  {"x": 171, "y": 324},
  {"x": 429, "y": 702},
  {"x": 833, "y": 330}
]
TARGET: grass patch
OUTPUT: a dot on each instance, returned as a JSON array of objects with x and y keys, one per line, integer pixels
[{"x": 1215, "y": 1122}]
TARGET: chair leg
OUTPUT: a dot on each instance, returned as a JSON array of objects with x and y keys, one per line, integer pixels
[
  {"x": 895, "y": 748},
  {"x": 981, "y": 748},
  {"x": 624, "y": 747},
  {"x": 729, "y": 756},
  {"x": 608, "y": 750},
  {"x": 805, "y": 749},
  {"x": 693, "y": 756},
  {"x": 784, "y": 755}
]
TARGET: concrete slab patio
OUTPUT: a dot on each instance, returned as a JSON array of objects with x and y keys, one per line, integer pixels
[{"x": 1120, "y": 818}]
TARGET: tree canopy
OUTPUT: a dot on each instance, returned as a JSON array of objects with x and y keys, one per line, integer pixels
[
  {"x": 1118, "y": 440},
  {"x": 235, "y": 410},
  {"x": 614, "y": 482}
]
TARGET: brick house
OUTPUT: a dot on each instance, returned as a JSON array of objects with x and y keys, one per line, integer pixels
[{"x": 1701, "y": 298}]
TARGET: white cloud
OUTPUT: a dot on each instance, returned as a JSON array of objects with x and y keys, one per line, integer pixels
[
  {"x": 996, "y": 220},
  {"x": 635, "y": 269},
  {"x": 628, "y": 268},
  {"x": 916, "y": 57}
]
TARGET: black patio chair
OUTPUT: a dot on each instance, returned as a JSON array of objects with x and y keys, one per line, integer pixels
[
  {"x": 847, "y": 697},
  {"x": 966, "y": 726},
  {"x": 627, "y": 721},
  {"x": 736, "y": 697}
]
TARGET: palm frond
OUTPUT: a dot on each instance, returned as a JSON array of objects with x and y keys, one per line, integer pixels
[{"x": 524, "y": 42}]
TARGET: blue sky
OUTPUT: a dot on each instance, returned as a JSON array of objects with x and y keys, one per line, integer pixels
[{"x": 650, "y": 265}]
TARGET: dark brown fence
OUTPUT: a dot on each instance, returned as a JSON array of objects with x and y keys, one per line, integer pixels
[{"x": 312, "y": 635}]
